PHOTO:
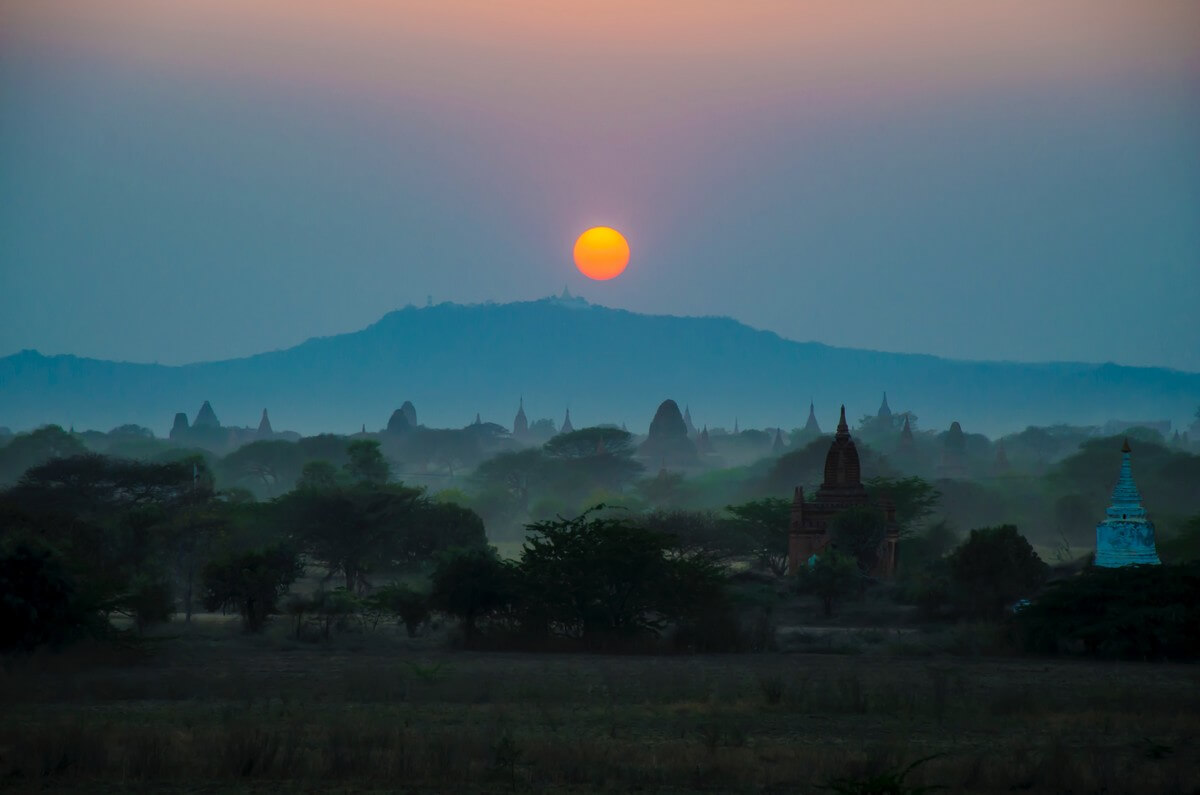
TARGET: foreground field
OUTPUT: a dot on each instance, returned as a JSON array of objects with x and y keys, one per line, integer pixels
[{"x": 210, "y": 710}]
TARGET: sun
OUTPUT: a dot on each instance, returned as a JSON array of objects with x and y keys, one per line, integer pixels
[{"x": 601, "y": 253}]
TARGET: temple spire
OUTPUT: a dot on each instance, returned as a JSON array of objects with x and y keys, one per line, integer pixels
[
  {"x": 264, "y": 425},
  {"x": 843, "y": 429},
  {"x": 812, "y": 427},
  {"x": 1126, "y": 536},
  {"x": 567, "y": 427},
  {"x": 885, "y": 411}
]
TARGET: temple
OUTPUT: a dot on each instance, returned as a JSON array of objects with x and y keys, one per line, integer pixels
[
  {"x": 812, "y": 427},
  {"x": 907, "y": 446},
  {"x": 567, "y": 427},
  {"x": 885, "y": 411},
  {"x": 1126, "y": 536},
  {"x": 520, "y": 422},
  {"x": 842, "y": 488},
  {"x": 264, "y": 427}
]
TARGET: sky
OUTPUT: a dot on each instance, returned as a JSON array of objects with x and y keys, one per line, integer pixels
[{"x": 187, "y": 180}]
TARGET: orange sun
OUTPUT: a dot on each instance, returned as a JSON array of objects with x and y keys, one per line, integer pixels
[{"x": 601, "y": 253}]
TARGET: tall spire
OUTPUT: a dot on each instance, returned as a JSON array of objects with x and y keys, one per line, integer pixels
[
  {"x": 812, "y": 427},
  {"x": 778, "y": 447},
  {"x": 687, "y": 420},
  {"x": 843, "y": 429},
  {"x": 1126, "y": 536},
  {"x": 1126, "y": 498},
  {"x": 567, "y": 427},
  {"x": 264, "y": 425},
  {"x": 884, "y": 410},
  {"x": 520, "y": 422}
]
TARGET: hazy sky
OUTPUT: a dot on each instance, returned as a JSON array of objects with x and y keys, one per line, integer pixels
[{"x": 200, "y": 179}]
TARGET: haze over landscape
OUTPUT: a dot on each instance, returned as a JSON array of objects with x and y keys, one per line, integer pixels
[{"x": 629, "y": 396}]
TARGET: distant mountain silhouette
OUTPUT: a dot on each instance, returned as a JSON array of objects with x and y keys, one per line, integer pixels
[{"x": 607, "y": 365}]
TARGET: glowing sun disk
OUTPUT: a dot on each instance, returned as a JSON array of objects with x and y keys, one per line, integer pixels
[{"x": 601, "y": 253}]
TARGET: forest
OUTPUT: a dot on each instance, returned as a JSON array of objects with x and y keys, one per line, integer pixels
[{"x": 409, "y": 552}]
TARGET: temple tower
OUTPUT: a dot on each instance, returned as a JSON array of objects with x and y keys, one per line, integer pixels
[
  {"x": 567, "y": 427},
  {"x": 1126, "y": 536},
  {"x": 842, "y": 488},
  {"x": 520, "y": 422},
  {"x": 778, "y": 447},
  {"x": 264, "y": 427},
  {"x": 907, "y": 446},
  {"x": 885, "y": 411},
  {"x": 812, "y": 427},
  {"x": 687, "y": 421},
  {"x": 206, "y": 417}
]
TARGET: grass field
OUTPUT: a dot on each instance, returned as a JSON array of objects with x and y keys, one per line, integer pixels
[{"x": 212, "y": 710}]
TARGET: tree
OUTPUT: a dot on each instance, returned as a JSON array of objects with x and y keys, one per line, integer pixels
[
  {"x": 590, "y": 459},
  {"x": 367, "y": 464},
  {"x": 859, "y": 532},
  {"x": 591, "y": 577},
  {"x": 471, "y": 584},
  {"x": 1182, "y": 546},
  {"x": 588, "y": 442},
  {"x": 831, "y": 577},
  {"x": 268, "y": 466},
  {"x": 38, "y": 599},
  {"x": 516, "y": 474},
  {"x": 27, "y": 450},
  {"x": 914, "y": 499},
  {"x": 698, "y": 533},
  {"x": 993, "y": 568},
  {"x": 251, "y": 582},
  {"x": 351, "y": 530},
  {"x": 318, "y": 475},
  {"x": 110, "y": 520},
  {"x": 1131, "y": 612},
  {"x": 764, "y": 524}
]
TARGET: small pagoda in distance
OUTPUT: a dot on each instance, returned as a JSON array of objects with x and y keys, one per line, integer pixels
[{"x": 1126, "y": 536}]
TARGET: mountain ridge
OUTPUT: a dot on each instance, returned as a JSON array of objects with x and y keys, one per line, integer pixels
[{"x": 613, "y": 365}]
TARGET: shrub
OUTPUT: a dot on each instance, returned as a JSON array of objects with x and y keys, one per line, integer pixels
[
  {"x": 408, "y": 605},
  {"x": 150, "y": 600}
]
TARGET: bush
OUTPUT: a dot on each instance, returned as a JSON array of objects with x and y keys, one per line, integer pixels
[
  {"x": 150, "y": 600},
  {"x": 408, "y": 605},
  {"x": 1134, "y": 612}
]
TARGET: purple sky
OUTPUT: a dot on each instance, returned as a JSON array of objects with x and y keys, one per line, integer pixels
[{"x": 196, "y": 180}]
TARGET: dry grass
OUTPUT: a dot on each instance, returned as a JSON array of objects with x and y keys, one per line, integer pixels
[{"x": 213, "y": 711}]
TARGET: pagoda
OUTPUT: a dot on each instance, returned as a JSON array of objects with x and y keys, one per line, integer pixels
[
  {"x": 1126, "y": 536},
  {"x": 812, "y": 427},
  {"x": 264, "y": 427},
  {"x": 520, "y": 422},
  {"x": 841, "y": 490}
]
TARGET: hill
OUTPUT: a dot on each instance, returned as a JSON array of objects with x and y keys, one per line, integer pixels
[{"x": 608, "y": 365}]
